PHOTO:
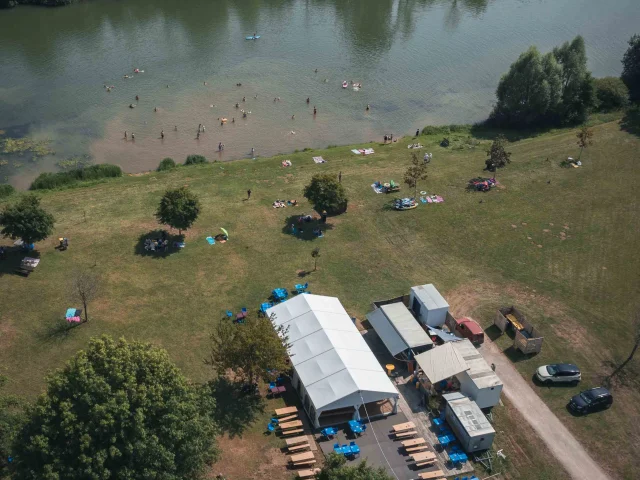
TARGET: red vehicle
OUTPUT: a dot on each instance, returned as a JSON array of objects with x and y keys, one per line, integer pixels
[{"x": 468, "y": 328}]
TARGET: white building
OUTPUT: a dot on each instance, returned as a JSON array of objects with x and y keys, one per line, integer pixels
[
  {"x": 471, "y": 427},
  {"x": 428, "y": 305},
  {"x": 335, "y": 372},
  {"x": 479, "y": 382}
]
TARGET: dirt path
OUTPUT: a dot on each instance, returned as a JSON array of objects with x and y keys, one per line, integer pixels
[{"x": 560, "y": 441}]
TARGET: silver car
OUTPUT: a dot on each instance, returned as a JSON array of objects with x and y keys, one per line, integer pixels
[{"x": 559, "y": 373}]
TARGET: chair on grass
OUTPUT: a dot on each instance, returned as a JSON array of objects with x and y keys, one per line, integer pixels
[
  {"x": 229, "y": 313},
  {"x": 275, "y": 421},
  {"x": 271, "y": 428},
  {"x": 244, "y": 310}
]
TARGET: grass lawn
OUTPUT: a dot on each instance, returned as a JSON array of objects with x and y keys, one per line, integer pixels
[{"x": 560, "y": 243}]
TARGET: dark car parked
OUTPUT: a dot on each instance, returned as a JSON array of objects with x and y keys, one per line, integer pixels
[{"x": 592, "y": 400}]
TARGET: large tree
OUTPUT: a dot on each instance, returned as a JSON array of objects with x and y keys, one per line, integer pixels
[
  {"x": 26, "y": 220},
  {"x": 578, "y": 92},
  {"x": 117, "y": 410},
  {"x": 11, "y": 418},
  {"x": 611, "y": 93},
  {"x": 249, "y": 349},
  {"x": 631, "y": 69},
  {"x": 326, "y": 193},
  {"x": 179, "y": 209},
  {"x": 530, "y": 92},
  {"x": 540, "y": 90},
  {"x": 335, "y": 468}
]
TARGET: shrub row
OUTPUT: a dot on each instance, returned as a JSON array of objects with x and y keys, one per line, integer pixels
[
  {"x": 6, "y": 190},
  {"x": 47, "y": 181}
]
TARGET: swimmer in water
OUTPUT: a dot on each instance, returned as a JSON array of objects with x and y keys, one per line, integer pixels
[
  {"x": 175, "y": 128},
  {"x": 202, "y": 128},
  {"x": 233, "y": 120},
  {"x": 198, "y": 136},
  {"x": 125, "y": 134},
  {"x": 137, "y": 98},
  {"x": 293, "y": 117},
  {"x": 315, "y": 110},
  {"x": 316, "y": 70},
  {"x": 244, "y": 99},
  {"x": 161, "y": 133},
  {"x": 307, "y": 100},
  {"x": 256, "y": 97},
  {"x": 368, "y": 107},
  {"x": 155, "y": 109},
  {"x": 133, "y": 136}
]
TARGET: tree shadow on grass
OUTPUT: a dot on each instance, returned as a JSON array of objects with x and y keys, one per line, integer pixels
[
  {"x": 235, "y": 411},
  {"x": 10, "y": 264},
  {"x": 630, "y": 123},
  {"x": 56, "y": 330},
  {"x": 305, "y": 230},
  {"x": 149, "y": 240}
]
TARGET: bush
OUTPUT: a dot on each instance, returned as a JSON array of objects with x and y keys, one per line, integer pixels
[
  {"x": 166, "y": 164},
  {"x": 47, "y": 181},
  {"x": 431, "y": 130},
  {"x": 195, "y": 160},
  {"x": 611, "y": 93},
  {"x": 6, "y": 190}
]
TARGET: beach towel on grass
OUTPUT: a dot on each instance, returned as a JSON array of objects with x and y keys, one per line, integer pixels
[
  {"x": 376, "y": 189},
  {"x": 211, "y": 241},
  {"x": 356, "y": 151},
  {"x": 368, "y": 151},
  {"x": 71, "y": 312},
  {"x": 319, "y": 160}
]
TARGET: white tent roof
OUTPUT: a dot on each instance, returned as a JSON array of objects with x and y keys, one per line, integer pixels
[
  {"x": 397, "y": 328},
  {"x": 441, "y": 362},
  {"x": 332, "y": 360}
]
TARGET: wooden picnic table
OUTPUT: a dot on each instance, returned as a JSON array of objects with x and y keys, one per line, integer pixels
[
  {"x": 424, "y": 446},
  {"x": 406, "y": 434},
  {"x": 281, "y": 412},
  {"x": 299, "y": 448},
  {"x": 423, "y": 456},
  {"x": 413, "y": 442},
  {"x": 290, "y": 425},
  {"x": 294, "y": 431},
  {"x": 301, "y": 457},
  {"x": 308, "y": 473},
  {"x": 297, "y": 440},
  {"x": 430, "y": 475},
  {"x": 403, "y": 426}
]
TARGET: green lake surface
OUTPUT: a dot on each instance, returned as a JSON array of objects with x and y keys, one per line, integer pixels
[{"x": 420, "y": 62}]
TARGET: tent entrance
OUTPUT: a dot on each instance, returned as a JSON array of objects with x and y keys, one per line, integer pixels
[
  {"x": 336, "y": 417},
  {"x": 376, "y": 409}
]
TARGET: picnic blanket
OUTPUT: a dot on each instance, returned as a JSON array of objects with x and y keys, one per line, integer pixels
[
  {"x": 363, "y": 151},
  {"x": 415, "y": 145},
  {"x": 286, "y": 163},
  {"x": 356, "y": 151},
  {"x": 432, "y": 199},
  {"x": 377, "y": 187},
  {"x": 319, "y": 160},
  {"x": 71, "y": 312},
  {"x": 211, "y": 241}
]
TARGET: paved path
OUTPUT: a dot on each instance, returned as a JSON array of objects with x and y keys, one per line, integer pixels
[{"x": 562, "y": 444}]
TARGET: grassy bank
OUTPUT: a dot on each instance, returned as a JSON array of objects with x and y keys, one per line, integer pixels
[{"x": 481, "y": 250}]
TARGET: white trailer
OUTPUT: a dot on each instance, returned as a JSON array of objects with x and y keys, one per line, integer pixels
[{"x": 428, "y": 305}]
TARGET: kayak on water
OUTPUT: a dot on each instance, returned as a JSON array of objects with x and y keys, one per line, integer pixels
[{"x": 253, "y": 37}]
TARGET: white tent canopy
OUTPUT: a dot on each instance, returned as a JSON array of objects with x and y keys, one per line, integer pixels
[
  {"x": 331, "y": 359},
  {"x": 441, "y": 362}
]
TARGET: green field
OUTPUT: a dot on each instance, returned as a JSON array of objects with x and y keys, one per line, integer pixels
[{"x": 481, "y": 250}]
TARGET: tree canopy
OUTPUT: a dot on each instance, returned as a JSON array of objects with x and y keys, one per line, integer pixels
[
  {"x": 335, "y": 468},
  {"x": 326, "y": 193},
  {"x": 117, "y": 410},
  {"x": 539, "y": 90},
  {"x": 631, "y": 69},
  {"x": 178, "y": 208},
  {"x": 26, "y": 220},
  {"x": 249, "y": 349},
  {"x": 611, "y": 93}
]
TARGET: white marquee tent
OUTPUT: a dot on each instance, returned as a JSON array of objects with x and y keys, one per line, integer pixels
[{"x": 335, "y": 371}]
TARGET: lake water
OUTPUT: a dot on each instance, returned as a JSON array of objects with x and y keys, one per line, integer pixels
[{"x": 419, "y": 61}]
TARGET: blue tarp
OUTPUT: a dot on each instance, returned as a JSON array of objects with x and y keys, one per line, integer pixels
[{"x": 444, "y": 336}]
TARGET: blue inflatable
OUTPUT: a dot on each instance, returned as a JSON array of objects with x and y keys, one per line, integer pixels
[{"x": 252, "y": 37}]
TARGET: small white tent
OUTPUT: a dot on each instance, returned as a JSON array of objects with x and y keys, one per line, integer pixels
[{"x": 335, "y": 371}]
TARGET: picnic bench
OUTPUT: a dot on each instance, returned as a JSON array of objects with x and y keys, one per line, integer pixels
[
  {"x": 408, "y": 434},
  {"x": 290, "y": 425},
  {"x": 413, "y": 442},
  {"x": 301, "y": 457},
  {"x": 429, "y": 475},
  {"x": 295, "y": 431},
  {"x": 308, "y": 473},
  {"x": 281, "y": 412},
  {"x": 417, "y": 448},
  {"x": 27, "y": 265},
  {"x": 297, "y": 440},
  {"x": 298, "y": 448},
  {"x": 423, "y": 456},
  {"x": 304, "y": 463},
  {"x": 399, "y": 427},
  {"x": 288, "y": 419}
]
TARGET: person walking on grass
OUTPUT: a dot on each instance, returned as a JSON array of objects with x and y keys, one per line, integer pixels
[
  {"x": 248, "y": 194},
  {"x": 417, "y": 132},
  {"x": 340, "y": 177}
]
